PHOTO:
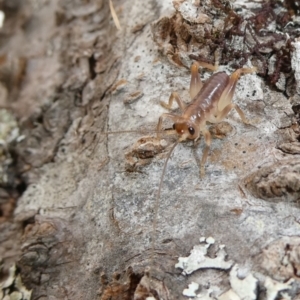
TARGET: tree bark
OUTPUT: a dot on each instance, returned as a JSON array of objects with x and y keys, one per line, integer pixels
[{"x": 88, "y": 213}]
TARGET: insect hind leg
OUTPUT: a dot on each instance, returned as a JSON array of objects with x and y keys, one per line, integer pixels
[
  {"x": 222, "y": 114},
  {"x": 228, "y": 92},
  {"x": 225, "y": 103},
  {"x": 196, "y": 83}
]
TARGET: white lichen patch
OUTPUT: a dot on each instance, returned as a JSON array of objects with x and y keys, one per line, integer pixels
[
  {"x": 198, "y": 259},
  {"x": 191, "y": 290},
  {"x": 243, "y": 284},
  {"x": 210, "y": 240},
  {"x": 296, "y": 62},
  {"x": 274, "y": 288},
  {"x": 244, "y": 288}
]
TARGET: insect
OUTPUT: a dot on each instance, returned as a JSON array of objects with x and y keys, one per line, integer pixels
[{"x": 211, "y": 102}]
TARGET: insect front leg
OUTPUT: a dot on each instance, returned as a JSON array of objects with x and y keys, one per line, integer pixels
[{"x": 176, "y": 97}]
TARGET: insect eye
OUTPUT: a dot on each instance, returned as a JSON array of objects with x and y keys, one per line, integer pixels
[
  {"x": 174, "y": 126},
  {"x": 191, "y": 130}
]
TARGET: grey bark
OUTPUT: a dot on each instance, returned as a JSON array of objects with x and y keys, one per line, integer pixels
[{"x": 92, "y": 195}]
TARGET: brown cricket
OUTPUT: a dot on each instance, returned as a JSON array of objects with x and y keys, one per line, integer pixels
[{"x": 211, "y": 102}]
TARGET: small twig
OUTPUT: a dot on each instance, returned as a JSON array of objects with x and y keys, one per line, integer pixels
[{"x": 114, "y": 15}]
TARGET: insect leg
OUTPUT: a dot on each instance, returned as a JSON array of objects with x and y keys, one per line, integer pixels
[
  {"x": 176, "y": 97},
  {"x": 228, "y": 92},
  {"x": 222, "y": 114},
  {"x": 196, "y": 83},
  {"x": 160, "y": 121},
  {"x": 225, "y": 105}
]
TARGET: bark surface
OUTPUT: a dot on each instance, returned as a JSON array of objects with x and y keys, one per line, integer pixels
[{"x": 83, "y": 226}]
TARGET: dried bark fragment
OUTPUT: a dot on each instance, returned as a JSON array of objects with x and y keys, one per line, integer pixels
[
  {"x": 13, "y": 288},
  {"x": 291, "y": 148},
  {"x": 277, "y": 182},
  {"x": 221, "y": 130},
  {"x": 130, "y": 285},
  {"x": 281, "y": 259},
  {"x": 142, "y": 152},
  {"x": 151, "y": 288},
  {"x": 132, "y": 97},
  {"x": 122, "y": 286}
]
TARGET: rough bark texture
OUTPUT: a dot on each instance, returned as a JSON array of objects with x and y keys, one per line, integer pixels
[{"x": 83, "y": 227}]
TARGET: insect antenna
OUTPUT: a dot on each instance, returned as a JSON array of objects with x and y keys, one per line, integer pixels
[
  {"x": 157, "y": 201},
  {"x": 141, "y": 131}
]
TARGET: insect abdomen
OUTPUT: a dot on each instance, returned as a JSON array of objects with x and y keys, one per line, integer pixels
[{"x": 211, "y": 91}]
